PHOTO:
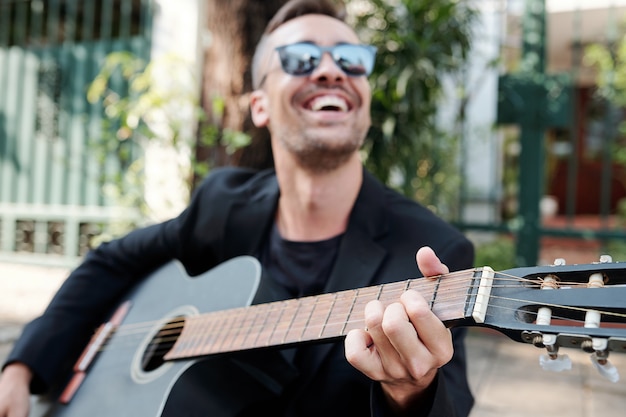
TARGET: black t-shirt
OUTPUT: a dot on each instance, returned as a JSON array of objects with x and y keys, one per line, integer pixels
[{"x": 300, "y": 267}]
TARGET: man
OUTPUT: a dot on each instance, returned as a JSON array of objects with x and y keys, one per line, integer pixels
[{"x": 318, "y": 223}]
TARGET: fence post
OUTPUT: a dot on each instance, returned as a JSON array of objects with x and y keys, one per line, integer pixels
[{"x": 531, "y": 166}]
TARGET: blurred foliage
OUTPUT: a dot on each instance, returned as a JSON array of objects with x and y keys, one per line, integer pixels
[
  {"x": 498, "y": 253},
  {"x": 419, "y": 42},
  {"x": 610, "y": 62},
  {"x": 151, "y": 103}
]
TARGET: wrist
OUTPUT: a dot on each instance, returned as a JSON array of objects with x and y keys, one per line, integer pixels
[
  {"x": 407, "y": 399},
  {"x": 18, "y": 373}
]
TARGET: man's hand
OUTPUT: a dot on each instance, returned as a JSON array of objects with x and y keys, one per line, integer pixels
[
  {"x": 404, "y": 343},
  {"x": 14, "y": 391}
]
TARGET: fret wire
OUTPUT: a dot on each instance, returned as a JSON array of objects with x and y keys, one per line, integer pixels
[
  {"x": 308, "y": 305},
  {"x": 297, "y": 301},
  {"x": 356, "y": 294},
  {"x": 188, "y": 329},
  {"x": 308, "y": 321},
  {"x": 258, "y": 323},
  {"x": 332, "y": 305},
  {"x": 259, "y": 314},
  {"x": 208, "y": 332},
  {"x": 291, "y": 311},
  {"x": 245, "y": 324},
  {"x": 281, "y": 311},
  {"x": 273, "y": 312},
  {"x": 234, "y": 329},
  {"x": 258, "y": 332},
  {"x": 220, "y": 333},
  {"x": 191, "y": 341},
  {"x": 435, "y": 290},
  {"x": 340, "y": 313},
  {"x": 209, "y": 340}
]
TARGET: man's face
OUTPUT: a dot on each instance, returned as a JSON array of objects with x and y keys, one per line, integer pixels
[{"x": 320, "y": 118}]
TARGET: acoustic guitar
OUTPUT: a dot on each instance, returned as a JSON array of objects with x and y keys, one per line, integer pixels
[{"x": 171, "y": 321}]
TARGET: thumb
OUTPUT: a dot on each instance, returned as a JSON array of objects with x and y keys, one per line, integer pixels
[{"x": 428, "y": 263}]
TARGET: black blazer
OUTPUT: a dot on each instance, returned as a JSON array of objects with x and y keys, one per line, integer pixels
[{"x": 230, "y": 215}]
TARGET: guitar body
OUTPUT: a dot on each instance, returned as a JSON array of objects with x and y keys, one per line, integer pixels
[{"x": 117, "y": 384}]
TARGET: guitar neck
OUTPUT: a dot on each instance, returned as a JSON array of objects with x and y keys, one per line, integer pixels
[{"x": 452, "y": 297}]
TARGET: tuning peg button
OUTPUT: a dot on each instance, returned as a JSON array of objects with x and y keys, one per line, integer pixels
[
  {"x": 605, "y": 368},
  {"x": 556, "y": 363},
  {"x": 605, "y": 259}
]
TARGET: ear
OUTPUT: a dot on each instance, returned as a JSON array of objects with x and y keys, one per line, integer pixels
[{"x": 259, "y": 108}]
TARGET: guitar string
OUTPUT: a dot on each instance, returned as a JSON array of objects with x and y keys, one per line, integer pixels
[
  {"x": 280, "y": 306},
  {"x": 287, "y": 304},
  {"x": 161, "y": 346},
  {"x": 173, "y": 330},
  {"x": 164, "y": 335},
  {"x": 141, "y": 327},
  {"x": 148, "y": 324}
]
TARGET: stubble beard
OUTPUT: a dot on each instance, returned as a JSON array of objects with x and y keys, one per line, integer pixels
[{"x": 318, "y": 155}]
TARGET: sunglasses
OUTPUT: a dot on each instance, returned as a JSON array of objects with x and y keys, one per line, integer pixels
[{"x": 302, "y": 58}]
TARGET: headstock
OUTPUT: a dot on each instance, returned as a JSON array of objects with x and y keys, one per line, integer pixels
[{"x": 572, "y": 306}]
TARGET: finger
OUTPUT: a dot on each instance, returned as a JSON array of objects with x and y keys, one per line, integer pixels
[
  {"x": 428, "y": 263},
  {"x": 379, "y": 320},
  {"x": 432, "y": 333},
  {"x": 373, "y": 314},
  {"x": 359, "y": 352},
  {"x": 357, "y": 344},
  {"x": 402, "y": 355},
  {"x": 401, "y": 333}
]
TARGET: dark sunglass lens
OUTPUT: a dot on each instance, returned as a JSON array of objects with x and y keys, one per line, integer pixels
[
  {"x": 354, "y": 59},
  {"x": 299, "y": 58}
]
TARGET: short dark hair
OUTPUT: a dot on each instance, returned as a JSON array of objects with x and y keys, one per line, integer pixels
[
  {"x": 297, "y": 8},
  {"x": 289, "y": 11}
]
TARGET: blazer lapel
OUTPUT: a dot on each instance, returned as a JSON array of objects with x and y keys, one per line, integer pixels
[
  {"x": 360, "y": 255},
  {"x": 249, "y": 219}
]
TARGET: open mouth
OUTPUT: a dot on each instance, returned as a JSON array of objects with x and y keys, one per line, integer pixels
[{"x": 328, "y": 103}]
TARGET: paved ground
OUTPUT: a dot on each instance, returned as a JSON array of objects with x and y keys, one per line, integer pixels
[{"x": 505, "y": 376}]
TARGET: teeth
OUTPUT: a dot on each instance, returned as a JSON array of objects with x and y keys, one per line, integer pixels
[{"x": 329, "y": 103}]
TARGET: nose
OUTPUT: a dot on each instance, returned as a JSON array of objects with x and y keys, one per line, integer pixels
[{"x": 328, "y": 70}]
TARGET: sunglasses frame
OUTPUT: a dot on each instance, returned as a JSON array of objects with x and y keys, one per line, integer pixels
[{"x": 368, "y": 67}]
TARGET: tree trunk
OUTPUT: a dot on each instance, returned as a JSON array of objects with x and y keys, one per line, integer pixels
[{"x": 234, "y": 27}]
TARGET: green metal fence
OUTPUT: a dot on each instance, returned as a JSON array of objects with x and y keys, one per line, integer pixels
[
  {"x": 567, "y": 140},
  {"x": 50, "y": 172}
]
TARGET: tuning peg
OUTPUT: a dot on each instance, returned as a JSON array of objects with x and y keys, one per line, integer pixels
[
  {"x": 552, "y": 360},
  {"x": 604, "y": 367},
  {"x": 606, "y": 259},
  {"x": 559, "y": 364},
  {"x": 599, "y": 349}
]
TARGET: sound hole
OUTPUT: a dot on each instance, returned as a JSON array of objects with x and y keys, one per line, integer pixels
[{"x": 161, "y": 343}]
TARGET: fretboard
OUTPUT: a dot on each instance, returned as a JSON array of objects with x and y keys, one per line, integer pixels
[{"x": 316, "y": 318}]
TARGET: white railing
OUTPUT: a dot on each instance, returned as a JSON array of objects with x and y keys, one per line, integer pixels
[{"x": 56, "y": 235}]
